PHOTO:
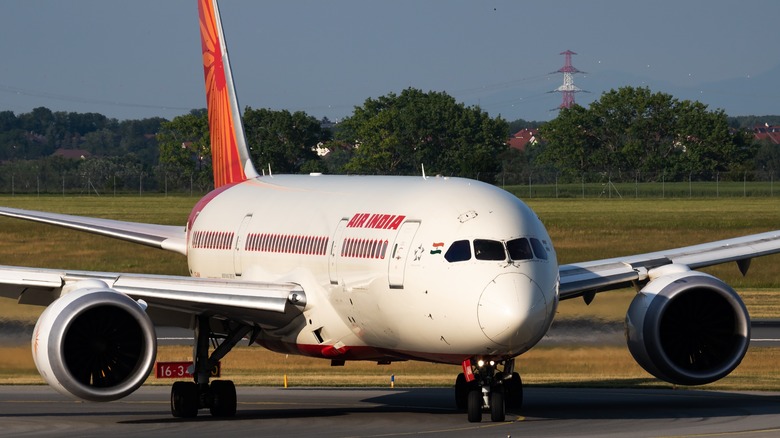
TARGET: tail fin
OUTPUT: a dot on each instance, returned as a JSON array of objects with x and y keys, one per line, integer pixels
[{"x": 229, "y": 153}]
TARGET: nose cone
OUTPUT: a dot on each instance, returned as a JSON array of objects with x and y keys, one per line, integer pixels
[{"x": 512, "y": 311}]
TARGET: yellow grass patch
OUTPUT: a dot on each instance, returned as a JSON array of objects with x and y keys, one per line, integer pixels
[{"x": 559, "y": 366}]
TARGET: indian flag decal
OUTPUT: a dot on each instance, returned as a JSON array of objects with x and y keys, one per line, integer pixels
[{"x": 437, "y": 246}]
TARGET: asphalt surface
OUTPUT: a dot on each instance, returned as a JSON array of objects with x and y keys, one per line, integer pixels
[
  {"x": 547, "y": 412},
  {"x": 361, "y": 412}
]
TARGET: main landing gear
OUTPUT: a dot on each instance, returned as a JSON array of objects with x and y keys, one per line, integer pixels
[
  {"x": 482, "y": 387},
  {"x": 220, "y": 395}
]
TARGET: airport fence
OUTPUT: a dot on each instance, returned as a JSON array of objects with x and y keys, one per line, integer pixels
[
  {"x": 76, "y": 183},
  {"x": 640, "y": 185},
  {"x": 525, "y": 185}
]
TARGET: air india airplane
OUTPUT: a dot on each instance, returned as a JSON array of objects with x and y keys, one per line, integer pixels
[{"x": 374, "y": 268}]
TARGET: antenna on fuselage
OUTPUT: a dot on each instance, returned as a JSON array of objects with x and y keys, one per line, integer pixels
[
  {"x": 423, "y": 170},
  {"x": 269, "y": 170}
]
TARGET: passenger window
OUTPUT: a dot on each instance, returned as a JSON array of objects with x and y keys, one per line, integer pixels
[
  {"x": 539, "y": 250},
  {"x": 519, "y": 249},
  {"x": 459, "y": 251},
  {"x": 489, "y": 250}
]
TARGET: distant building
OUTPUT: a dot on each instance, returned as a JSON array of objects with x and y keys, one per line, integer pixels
[
  {"x": 766, "y": 132},
  {"x": 73, "y": 154},
  {"x": 522, "y": 138}
]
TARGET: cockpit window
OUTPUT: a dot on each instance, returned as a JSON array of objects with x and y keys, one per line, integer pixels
[
  {"x": 539, "y": 250},
  {"x": 519, "y": 249},
  {"x": 459, "y": 251},
  {"x": 489, "y": 250}
]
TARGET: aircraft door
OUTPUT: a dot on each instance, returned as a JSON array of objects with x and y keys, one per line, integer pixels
[
  {"x": 238, "y": 249},
  {"x": 334, "y": 251},
  {"x": 399, "y": 254}
]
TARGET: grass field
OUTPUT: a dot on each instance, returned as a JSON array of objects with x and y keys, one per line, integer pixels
[
  {"x": 656, "y": 189},
  {"x": 581, "y": 230}
]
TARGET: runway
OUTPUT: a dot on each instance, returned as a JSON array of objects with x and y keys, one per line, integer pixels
[{"x": 39, "y": 411}]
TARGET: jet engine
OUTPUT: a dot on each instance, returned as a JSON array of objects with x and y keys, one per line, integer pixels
[
  {"x": 687, "y": 327},
  {"x": 94, "y": 343}
]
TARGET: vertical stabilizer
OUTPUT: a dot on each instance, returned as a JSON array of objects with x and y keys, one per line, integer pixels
[{"x": 229, "y": 153}]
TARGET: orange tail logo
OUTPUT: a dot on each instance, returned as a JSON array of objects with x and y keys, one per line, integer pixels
[{"x": 229, "y": 154}]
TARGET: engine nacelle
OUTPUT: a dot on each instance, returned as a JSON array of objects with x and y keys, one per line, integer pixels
[
  {"x": 687, "y": 327},
  {"x": 94, "y": 343}
]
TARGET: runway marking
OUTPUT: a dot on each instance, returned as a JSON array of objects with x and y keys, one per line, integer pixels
[
  {"x": 437, "y": 431},
  {"x": 743, "y": 432}
]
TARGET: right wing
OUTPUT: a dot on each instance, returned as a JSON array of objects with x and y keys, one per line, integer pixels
[
  {"x": 172, "y": 300},
  {"x": 168, "y": 237}
]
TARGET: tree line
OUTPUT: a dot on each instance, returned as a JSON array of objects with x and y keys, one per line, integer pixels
[{"x": 628, "y": 131}]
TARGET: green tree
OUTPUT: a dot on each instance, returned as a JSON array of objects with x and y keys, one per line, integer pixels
[
  {"x": 184, "y": 146},
  {"x": 395, "y": 134},
  {"x": 635, "y": 130},
  {"x": 282, "y": 140},
  {"x": 767, "y": 158},
  {"x": 572, "y": 141},
  {"x": 37, "y": 121},
  {"x": 8, "y": 121},
  {"x": 138, "y": 137}
]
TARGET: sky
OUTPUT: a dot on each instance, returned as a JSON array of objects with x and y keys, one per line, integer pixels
[{"x": 141, "y": 58}]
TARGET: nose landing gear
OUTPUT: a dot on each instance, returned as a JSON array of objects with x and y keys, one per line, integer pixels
[{"x": 483, "y": 387}]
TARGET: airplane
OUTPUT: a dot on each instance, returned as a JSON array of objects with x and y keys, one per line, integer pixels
[{"x": 373, "y": 268}]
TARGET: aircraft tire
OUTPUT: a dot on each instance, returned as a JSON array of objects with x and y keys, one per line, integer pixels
[
  {"x": 475, "y": 405},
  {"x": 462, "y": 388},
  {"x": 223, "y": 393},
  {"x": 514, "y": 391},
  {"x": 497, "y": 407},
  {"x": 184, "y": 399}
]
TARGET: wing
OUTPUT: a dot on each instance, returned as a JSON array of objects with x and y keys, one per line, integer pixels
[
  {"x": 597, "y": 276},
  {"x": 168, "y": 237},
  {"x": 172, "y": 300}
]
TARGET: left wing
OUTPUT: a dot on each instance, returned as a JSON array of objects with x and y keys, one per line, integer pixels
[
  {"x": 168, "y": 237},
  {"x": 588, "y": 278}
]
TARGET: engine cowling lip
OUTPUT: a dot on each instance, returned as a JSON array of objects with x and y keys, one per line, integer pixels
[
  {"x": 662, "y": 366},
  {"x": 77, "y": 302}
]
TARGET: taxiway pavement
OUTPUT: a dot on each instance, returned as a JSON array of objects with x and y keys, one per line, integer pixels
[{"x": 367, "y": 412}]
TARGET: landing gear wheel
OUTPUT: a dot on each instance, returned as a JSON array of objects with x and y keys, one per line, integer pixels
[
  {"x": 514, "y": 392},
  {"x": 462, "y": 388},
  {"x": 475, "y": 405},
  {"x": 497, "y": 408},
  {"x": 184, "y": 399},
  {"x": 223, "y": 402}
]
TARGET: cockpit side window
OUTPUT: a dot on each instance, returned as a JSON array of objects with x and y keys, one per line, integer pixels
[
  {"x": 459, "y": 251},
  {"x": 539, "y": 250},
  {"x": 489, "y": 250},
  {"x": 519, "y": 249}
]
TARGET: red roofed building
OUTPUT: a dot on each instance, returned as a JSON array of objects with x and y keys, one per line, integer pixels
[
  {"x": 522, "y": 138},
  {"x": 766, "y": 132}
]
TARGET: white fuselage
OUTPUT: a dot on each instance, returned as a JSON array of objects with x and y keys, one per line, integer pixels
[{"x": 393, "y": 268}]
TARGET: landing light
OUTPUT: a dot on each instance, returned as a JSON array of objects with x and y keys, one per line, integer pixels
[{"x": 480, "y": 363}]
